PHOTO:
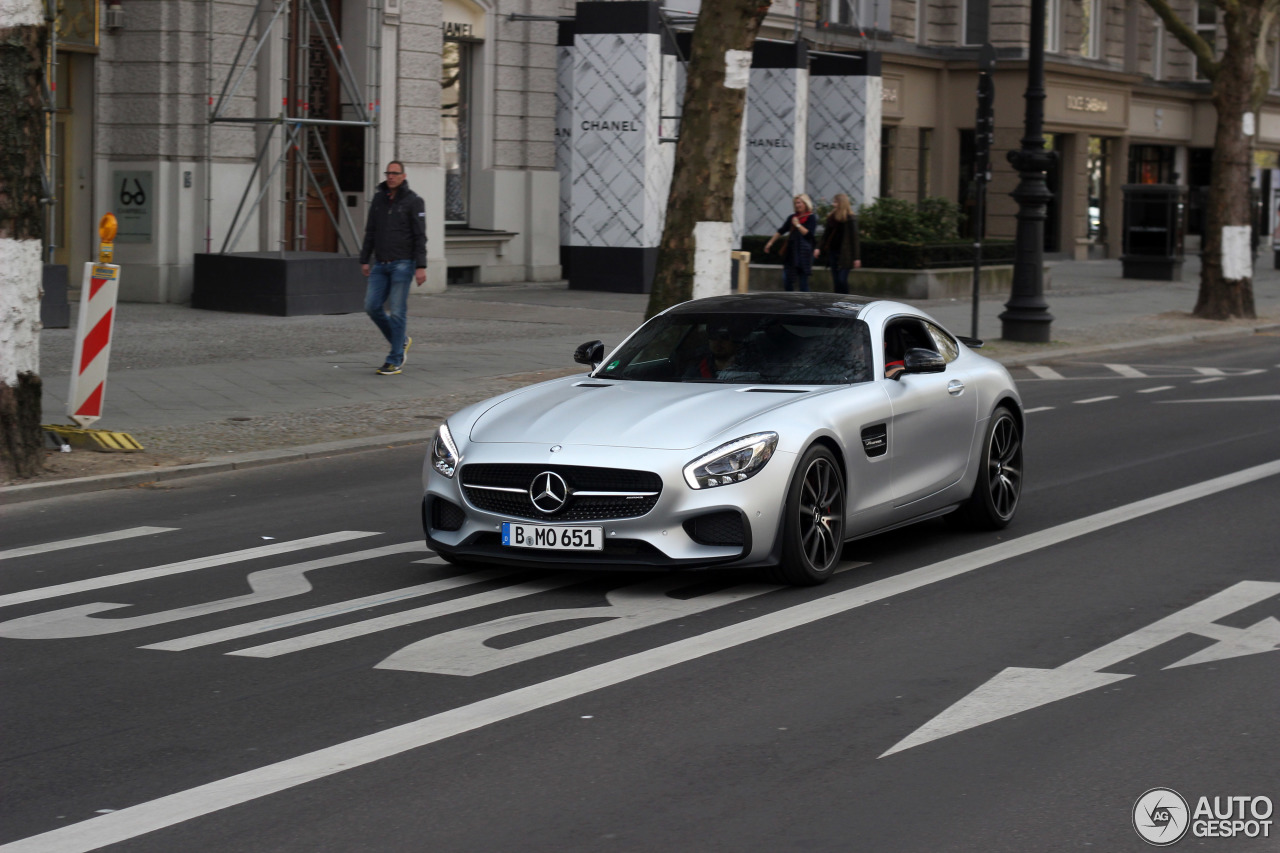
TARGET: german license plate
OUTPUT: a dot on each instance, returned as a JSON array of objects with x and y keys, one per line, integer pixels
[{"x": 552, "y": 537}]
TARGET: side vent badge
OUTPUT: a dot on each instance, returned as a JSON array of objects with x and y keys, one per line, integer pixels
[{"x": 875, "y": 440}]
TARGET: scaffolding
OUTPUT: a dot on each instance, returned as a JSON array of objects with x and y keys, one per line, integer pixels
[
  {"x": 312, "y": 53},
  {"x": 49, "y": 155}
]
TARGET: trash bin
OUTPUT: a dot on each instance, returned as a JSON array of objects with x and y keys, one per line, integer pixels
[
  {"x": 741, "y": 271},
  {"x": 1154, "y": 225}
]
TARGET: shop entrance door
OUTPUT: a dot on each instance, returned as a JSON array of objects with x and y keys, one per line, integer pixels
[{"x": 1098, "y": 169}]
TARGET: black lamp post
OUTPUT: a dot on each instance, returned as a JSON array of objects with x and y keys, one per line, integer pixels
[{"x": 1026, "y": 316}]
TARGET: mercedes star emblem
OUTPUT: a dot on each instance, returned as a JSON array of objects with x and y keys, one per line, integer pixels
[{"x": 548, "y": 492}]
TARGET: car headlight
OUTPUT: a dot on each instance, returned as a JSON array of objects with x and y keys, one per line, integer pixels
[
  {"x": 444, "y": 453},
  {"x": 734, "y": 462}
]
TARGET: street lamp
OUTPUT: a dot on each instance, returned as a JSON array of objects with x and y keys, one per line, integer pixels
[{"x": 1026, "y": 316}]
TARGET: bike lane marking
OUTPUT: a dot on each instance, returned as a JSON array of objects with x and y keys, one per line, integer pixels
[
  {"x": 133, "y": 821},
  {"x": 105, "y": 581},
  {"x": 275, "y": 623}
]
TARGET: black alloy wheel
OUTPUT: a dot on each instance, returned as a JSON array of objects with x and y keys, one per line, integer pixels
[
  {"x": 813, "y": 529},
  {"x": 995, "y": 495}
]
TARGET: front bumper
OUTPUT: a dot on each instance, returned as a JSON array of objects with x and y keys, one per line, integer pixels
[{"x": 678, "y": 532}]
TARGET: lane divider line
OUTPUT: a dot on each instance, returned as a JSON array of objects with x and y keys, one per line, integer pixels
[{"x": 97, "y": 539}]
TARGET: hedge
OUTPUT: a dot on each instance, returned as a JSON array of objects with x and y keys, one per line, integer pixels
[{"x": 893, "y": 254}]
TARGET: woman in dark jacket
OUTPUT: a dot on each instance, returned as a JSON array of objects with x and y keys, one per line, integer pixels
[
  {"x": 840, "y": 243},
  {"x": 798, "y": 253}
]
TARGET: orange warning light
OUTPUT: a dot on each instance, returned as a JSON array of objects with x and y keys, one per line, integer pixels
[{"x": 107, "y": 228}]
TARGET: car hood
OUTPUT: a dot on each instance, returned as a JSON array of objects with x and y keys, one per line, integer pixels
[{"x": 653, "y": 415}]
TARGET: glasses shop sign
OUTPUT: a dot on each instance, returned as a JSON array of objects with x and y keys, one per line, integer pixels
[{"x": 131, "y": 201}]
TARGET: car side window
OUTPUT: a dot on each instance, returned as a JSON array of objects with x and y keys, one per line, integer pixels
[
  {"x": 906, "y": 334},
  {"x": 945, "y": 343}
]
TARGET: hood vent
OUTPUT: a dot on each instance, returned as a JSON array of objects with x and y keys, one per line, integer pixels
[
  {"x": 593, "y": 385},
  {"x": 774, "y": 391}
]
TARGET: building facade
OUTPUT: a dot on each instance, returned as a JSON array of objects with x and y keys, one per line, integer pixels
[{"x": 464, "y": 92}]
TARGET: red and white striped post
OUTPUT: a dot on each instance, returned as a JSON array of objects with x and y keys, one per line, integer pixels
[{"x": 98, "y": 293}]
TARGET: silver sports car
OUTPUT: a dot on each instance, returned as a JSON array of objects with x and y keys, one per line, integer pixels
[{"x": 754, "y": 430}]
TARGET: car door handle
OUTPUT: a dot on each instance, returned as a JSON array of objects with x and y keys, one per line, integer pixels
[{"x": 955, "y": 387}]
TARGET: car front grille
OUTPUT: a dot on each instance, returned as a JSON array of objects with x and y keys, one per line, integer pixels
[{"x": 592, "y": 494}]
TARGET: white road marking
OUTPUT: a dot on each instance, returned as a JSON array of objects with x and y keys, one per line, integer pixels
[
  {"x": 1044, "y": 372},
  {"x": 469, "y": 650},
  {"x": 407, "y": 617},
  {"x": 245, "y": 787},
  {"x": 275, "y": 623},
  {"x": 1155, "y": 389},
  {"x": 267, "y": 585},
  {"x": 1038, "y": 409},
  {"x": 1203, "y": 381},
  {"x": 1266, "y": 398},
  {"x": 1210, "y": 371},
  {"x": 98, "y": 539},
  {"x": 1126, "y": 371},
  {"x": 178, "y": 568},
  {"x": 1095, "y": 400},
  {"x": 1019, "y": 689}
]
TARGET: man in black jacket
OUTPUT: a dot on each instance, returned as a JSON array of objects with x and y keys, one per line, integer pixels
[{"x": 394, "y": 253}]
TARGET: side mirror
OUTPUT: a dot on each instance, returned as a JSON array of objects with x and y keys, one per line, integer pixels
[
  {"x": 923, "y": 361},
  {"x": 592, "y": 353}
]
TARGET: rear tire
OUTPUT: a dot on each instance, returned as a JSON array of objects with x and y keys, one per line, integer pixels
[
  {"x": 995, "y": 496},
  {"x": 813, "y": 521}
]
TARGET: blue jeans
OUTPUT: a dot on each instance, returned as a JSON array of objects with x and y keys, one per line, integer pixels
[
  {"x": 839, "y": 279},
  {"x": 389, "y": 285},
  {"x": 799, "y": 277}
]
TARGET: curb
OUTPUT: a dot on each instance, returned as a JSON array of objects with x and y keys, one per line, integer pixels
[
  {"x": 232, "y": 462},
  {"x": 261, "y": 458},
  {"x": 1091, "y": 349}
]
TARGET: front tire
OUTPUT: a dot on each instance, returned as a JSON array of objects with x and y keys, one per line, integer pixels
[
  {"x": 998, "y": 490},
  {"x": 813, "y": 524}
]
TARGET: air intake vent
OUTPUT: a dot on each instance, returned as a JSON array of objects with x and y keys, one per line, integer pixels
[
  {"x": 775, "y": 390},
  {"x": 593, "y": 385},
  {"x": 445, "y": 515},
  {"x": 875, "y": 440},
  {"x": 717, "y": 528}
]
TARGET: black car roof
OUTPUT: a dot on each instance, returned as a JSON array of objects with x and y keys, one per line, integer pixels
[{"x": 827, "y": 304}]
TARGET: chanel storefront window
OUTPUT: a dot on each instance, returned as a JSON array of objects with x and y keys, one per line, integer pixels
[{"x": 455, "y": 127}]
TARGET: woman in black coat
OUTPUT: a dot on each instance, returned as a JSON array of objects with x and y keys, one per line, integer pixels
[
  {"x": 840, "y": 243},
  {"x": 798, "y": 251}
]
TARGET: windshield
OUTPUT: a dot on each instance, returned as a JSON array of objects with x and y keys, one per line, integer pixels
[{"x": 769, "y": 349}]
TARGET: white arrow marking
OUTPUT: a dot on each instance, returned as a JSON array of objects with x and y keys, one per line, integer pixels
[{"x": 1017, "y": 689}]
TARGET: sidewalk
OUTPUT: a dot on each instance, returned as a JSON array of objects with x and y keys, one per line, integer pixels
[{"x": 205, "y": 391}]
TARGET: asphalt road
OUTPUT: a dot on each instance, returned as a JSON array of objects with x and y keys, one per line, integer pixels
[{"x": 947, "y": 691}]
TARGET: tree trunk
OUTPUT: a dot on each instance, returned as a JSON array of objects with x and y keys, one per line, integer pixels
[
  {"x": 700, "y": 205},
  {"x": 22, "y": 47},
  {"x": 1226, "y": 276}
]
